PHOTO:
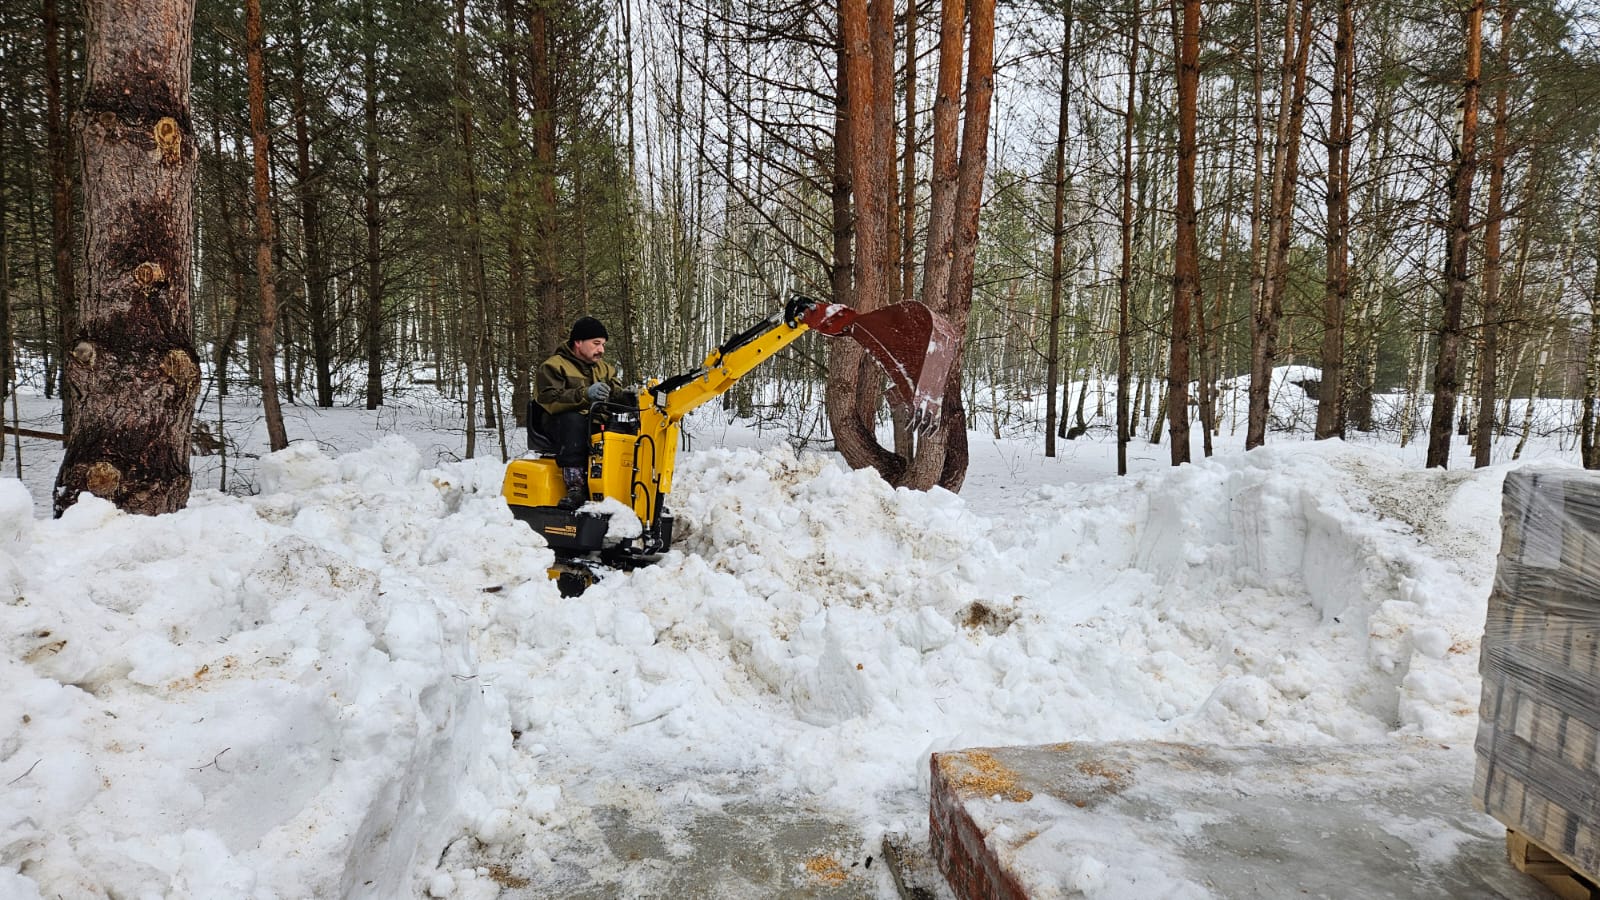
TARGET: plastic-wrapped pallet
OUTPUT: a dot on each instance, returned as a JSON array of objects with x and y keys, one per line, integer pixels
[{"x": 1538, "y": 765}]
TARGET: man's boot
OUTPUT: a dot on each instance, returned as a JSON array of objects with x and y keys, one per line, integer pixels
[{"x": 577, "y": 488}]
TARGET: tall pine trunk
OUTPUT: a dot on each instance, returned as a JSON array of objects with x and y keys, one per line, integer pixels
[
  {"x": 475, "y": 340},
  {"x": 870, "y": 177},
  {"x": 1336, "y": 286},
  {"x": 60, "y": 205},
  {"x": 516, "y": 272},
  {"x": 1186, "y": 255},
  {"x": 1058, "y": 238},
  {"x": 1446, "y": 370},
  {"x": 1268, "y": 314},
  {"x": 372, "y": 318},
  {"x": 547, "y": 284},
  {"x": 1488, "y": 359},
  {"x": 266, "y": 283},
  {"x": 866, "y": 29},
  {"x": 7, "y": 361},
  {"x": 1125, "y": 278},
  {"x": 319, "y": 316},
  {"x": 1588, "y": 440},
  {"x": 904, "y": 438}
]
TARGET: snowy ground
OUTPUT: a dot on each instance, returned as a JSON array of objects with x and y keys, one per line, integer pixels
[{"x": 321, "y": 687}]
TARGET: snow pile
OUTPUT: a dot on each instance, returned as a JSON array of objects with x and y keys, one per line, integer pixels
[
  {"x": 313, "y": 692},
  {"x": 272, "y": 698}
]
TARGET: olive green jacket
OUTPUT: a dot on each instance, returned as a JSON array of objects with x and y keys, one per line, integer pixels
[{"x": 564, "y": 377}]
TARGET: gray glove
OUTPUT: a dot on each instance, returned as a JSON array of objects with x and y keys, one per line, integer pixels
[{"x": 598, "y": 392}]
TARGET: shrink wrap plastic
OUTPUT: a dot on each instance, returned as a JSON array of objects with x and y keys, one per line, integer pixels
[{"x": 1538, "y": 744}]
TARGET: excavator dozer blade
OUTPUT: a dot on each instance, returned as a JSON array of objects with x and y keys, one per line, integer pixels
[{"x": 916, "y": 348}]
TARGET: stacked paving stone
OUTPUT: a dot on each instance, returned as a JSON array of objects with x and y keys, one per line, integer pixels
[{"x": 1538, "y": 767}]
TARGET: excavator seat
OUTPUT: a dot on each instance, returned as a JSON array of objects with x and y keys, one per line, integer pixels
[
  {"x": 538, "y": 442},
  {"x": 619, "y": 416}
]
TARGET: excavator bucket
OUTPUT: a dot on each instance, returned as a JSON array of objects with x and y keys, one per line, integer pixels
[{"x": 915, "y": 346}]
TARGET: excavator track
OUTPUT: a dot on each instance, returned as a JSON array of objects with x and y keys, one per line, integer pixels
[{"x": 576, "y": 573}]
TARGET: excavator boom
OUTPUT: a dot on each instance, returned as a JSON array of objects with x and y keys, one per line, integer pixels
[{"x": 914, "y": 346}]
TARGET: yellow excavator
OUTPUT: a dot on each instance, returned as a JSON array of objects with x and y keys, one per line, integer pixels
[{"x": 634, "y": 437}]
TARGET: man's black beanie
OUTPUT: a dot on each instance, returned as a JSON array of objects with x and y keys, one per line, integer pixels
[{"x": 587, "y": 328}]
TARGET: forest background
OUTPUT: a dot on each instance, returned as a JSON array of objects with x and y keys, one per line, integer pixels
[{"x": 1175, "y": 196}]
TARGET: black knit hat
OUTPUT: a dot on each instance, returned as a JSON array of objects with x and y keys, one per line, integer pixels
[{"x": 587, "y": 328}]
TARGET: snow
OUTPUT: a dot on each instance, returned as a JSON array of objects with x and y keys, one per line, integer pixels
[{"x": 315, "y": 690}]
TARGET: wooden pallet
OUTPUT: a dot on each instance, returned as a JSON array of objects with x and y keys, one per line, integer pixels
[{"x": 1549, "y": 869}]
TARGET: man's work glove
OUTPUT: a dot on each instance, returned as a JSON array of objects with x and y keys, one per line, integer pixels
[{"x": 598, "y": 392}]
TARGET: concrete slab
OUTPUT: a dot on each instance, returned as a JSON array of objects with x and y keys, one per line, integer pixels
[{"x": 1142, "y": 820}]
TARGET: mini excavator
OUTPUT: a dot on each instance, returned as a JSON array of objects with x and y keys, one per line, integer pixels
[{"x": 634, "y": 437}]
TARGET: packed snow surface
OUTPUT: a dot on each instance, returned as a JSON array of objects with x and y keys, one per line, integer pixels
[{"x": 314, "y": 691}]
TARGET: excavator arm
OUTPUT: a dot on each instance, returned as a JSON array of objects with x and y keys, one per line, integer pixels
[{"x": 914, "y": 346}]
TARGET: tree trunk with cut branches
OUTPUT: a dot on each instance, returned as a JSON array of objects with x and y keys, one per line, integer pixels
[{"x": 132, "y": 372}]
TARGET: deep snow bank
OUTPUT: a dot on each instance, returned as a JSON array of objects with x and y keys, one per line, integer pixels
[
  {"x": 1311, "y": 592},
  {"x": 264, "y": 698}
]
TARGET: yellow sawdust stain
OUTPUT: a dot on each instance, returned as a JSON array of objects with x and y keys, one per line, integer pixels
[
  {"x": 988, "y": 777},
  {"x": 1116, "y": 777},
  {"x": 826, "y": 869}
]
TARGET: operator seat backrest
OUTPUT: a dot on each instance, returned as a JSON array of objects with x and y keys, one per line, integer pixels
[{"x": 538, "y": 441}]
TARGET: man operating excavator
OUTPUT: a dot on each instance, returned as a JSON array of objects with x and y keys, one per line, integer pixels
[
  {"x": 573, "y": 378},
  {"x": 591, "y": 438}
]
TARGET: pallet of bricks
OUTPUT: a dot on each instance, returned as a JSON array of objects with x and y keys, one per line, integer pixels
[{"x": 1538, "y": 757}]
